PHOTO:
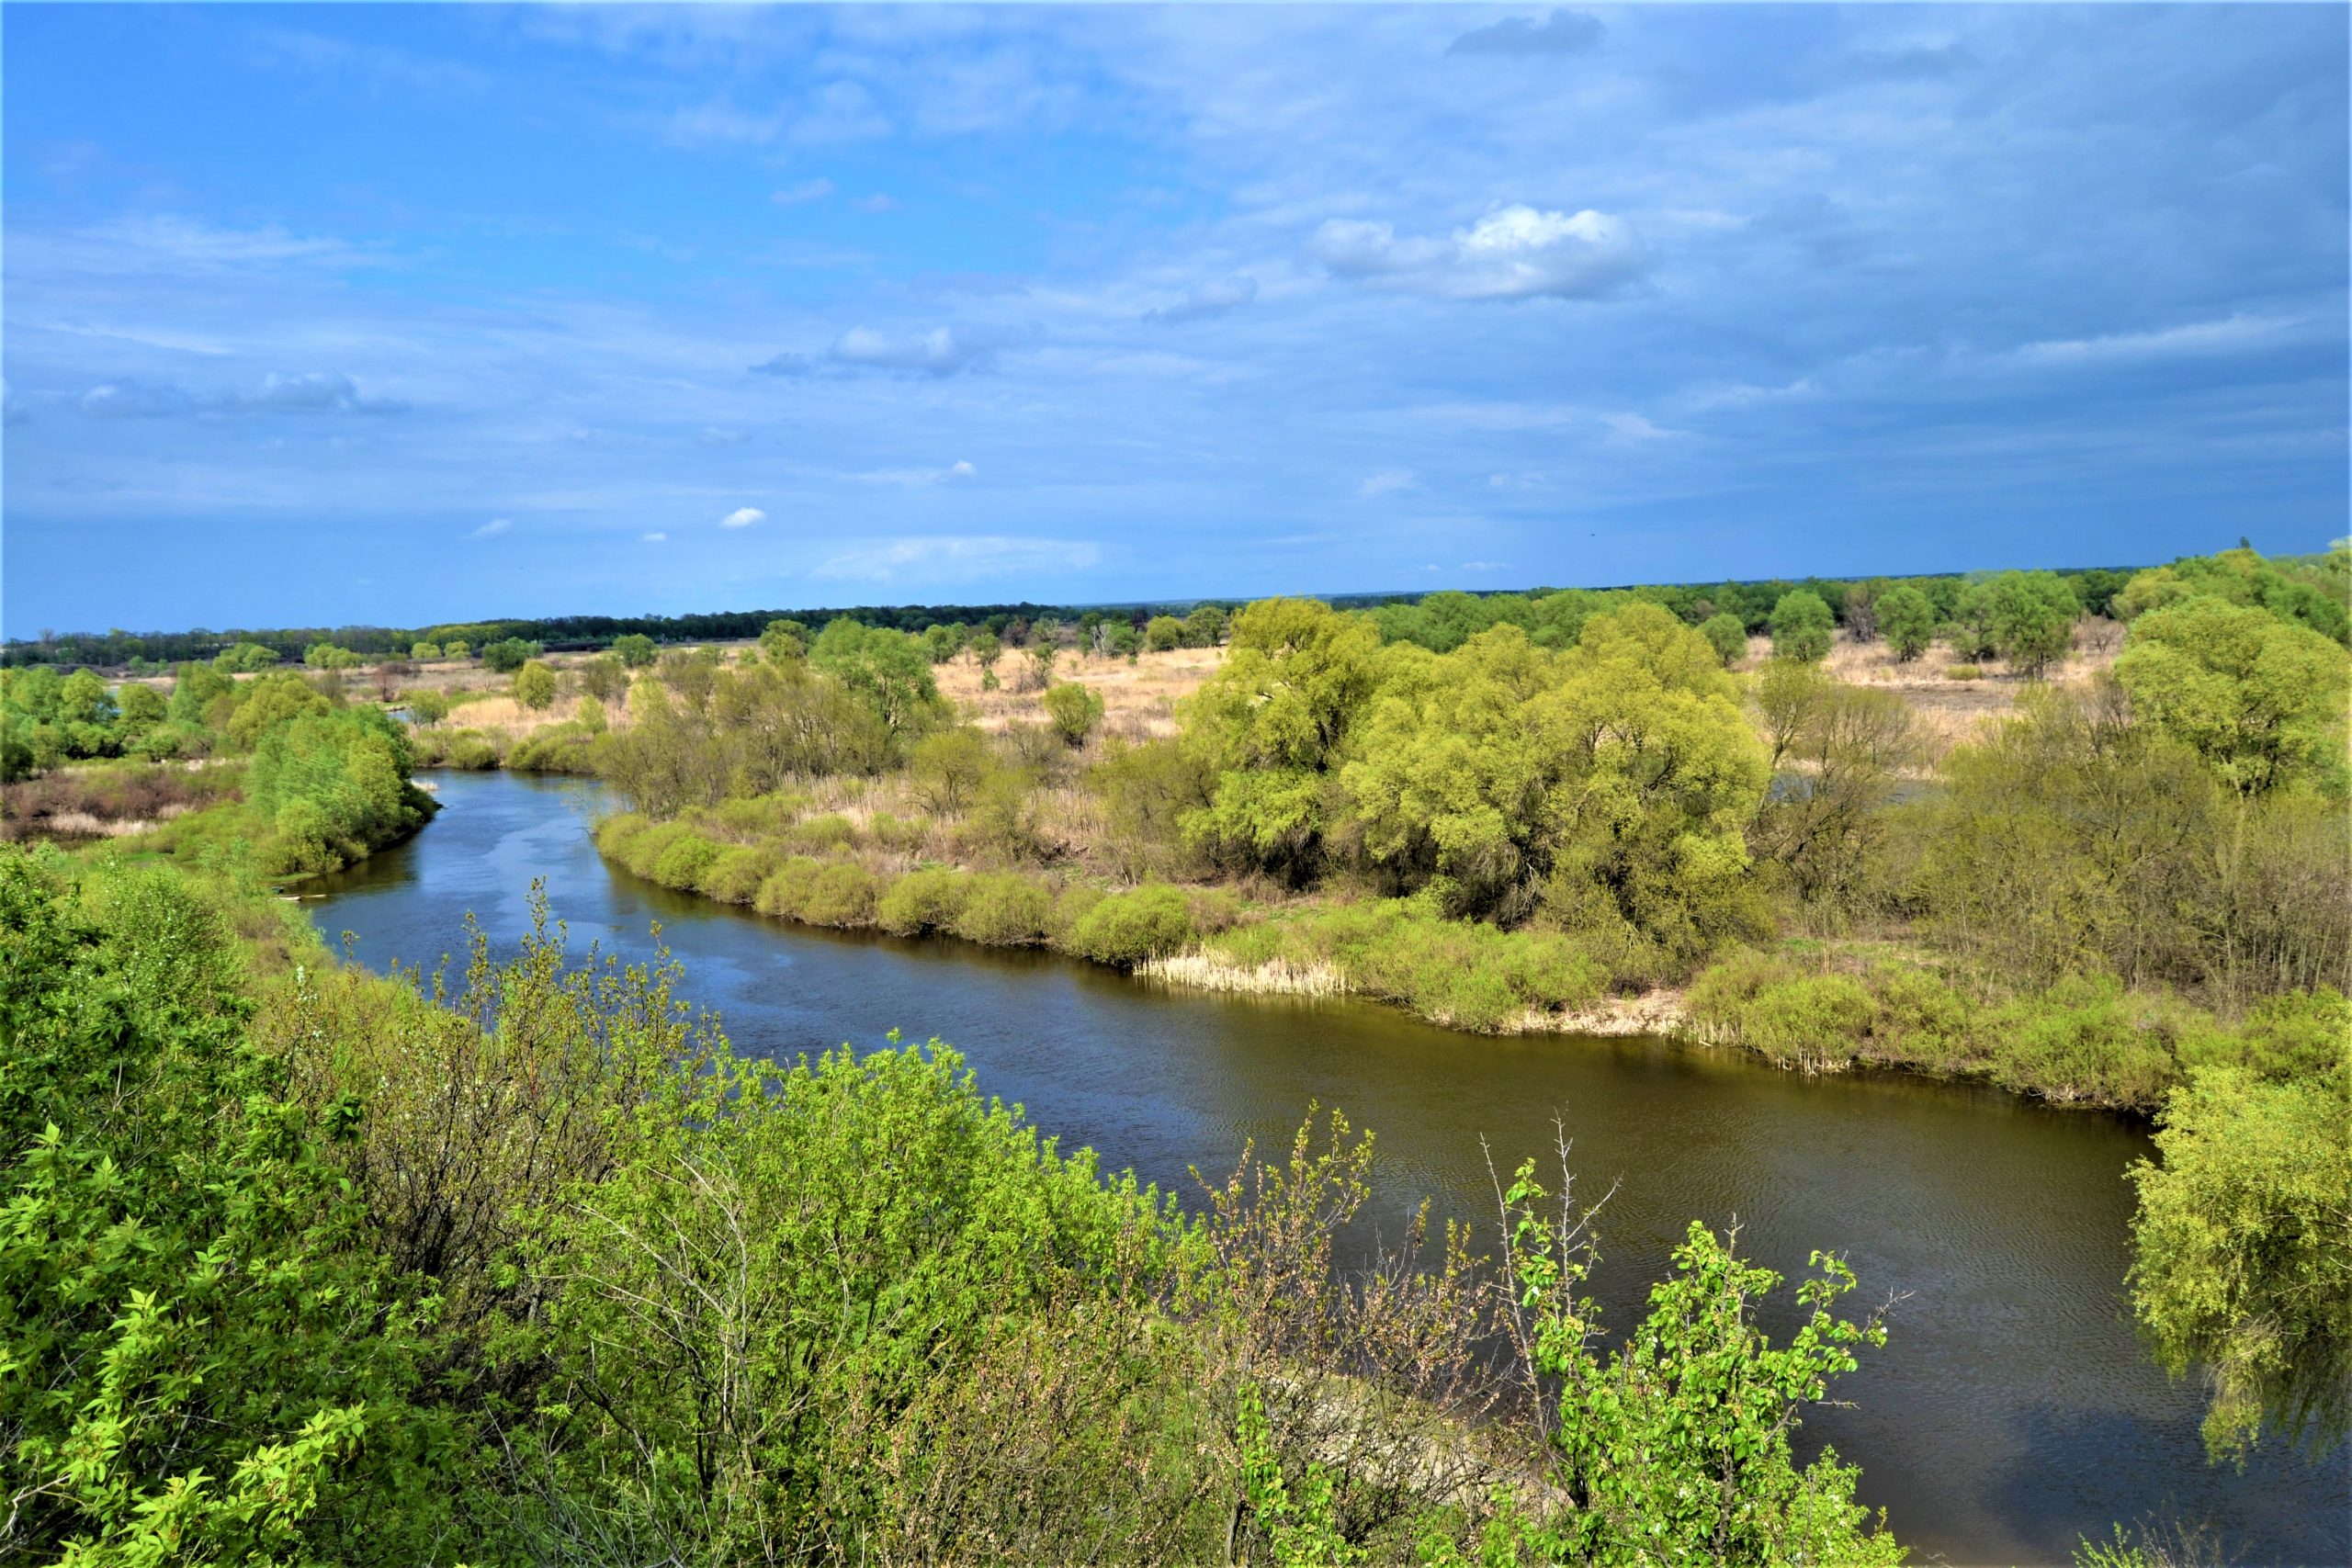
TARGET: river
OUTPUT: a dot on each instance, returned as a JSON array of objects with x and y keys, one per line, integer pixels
[{"x": 2011, "y": 1410}]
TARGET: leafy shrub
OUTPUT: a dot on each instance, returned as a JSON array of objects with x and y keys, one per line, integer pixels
[
  {"x": 566, "y": 747},
  {"x": 1127, "y": 928},
  {"x": 682, "y": 864},
  {"x": 926, "y": 900},
  {"x": 645, "y": 851},
  {"x": 821, "y": 834},
  {"x": 615, "y": 834},
  {"x": 734, "y": 877},
  {"x": 2088, "y": 1039},
  {"x": 1074, "y": 711},
  {"x": 783, "y": 892},
  {"x": 1005, "y": 910},
  {"x": 842, "y": 894}
]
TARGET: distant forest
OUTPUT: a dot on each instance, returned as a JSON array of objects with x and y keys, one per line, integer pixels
[{"x": 117, "y": 648}]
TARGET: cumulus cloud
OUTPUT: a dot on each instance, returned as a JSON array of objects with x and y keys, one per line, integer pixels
[
  {"x": 1518, "y": 252},
  {"x": 950, "y": 558},
  {"x": 274, "y": 394},
  {"x": 807, "y": 190},
  {"x": 1207, "y": 299},
  {"x": 942, "y": 351},
  {"x": 491, "y": 529},
  {"x": 1562, "y": 32},
  {"x": 743, "y": 517}
]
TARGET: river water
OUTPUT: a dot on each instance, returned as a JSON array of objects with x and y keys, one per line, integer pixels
[{"x": 2011, "y": 1411}]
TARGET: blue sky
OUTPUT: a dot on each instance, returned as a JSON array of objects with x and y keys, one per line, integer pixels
[{"x": 403, "y": 313}]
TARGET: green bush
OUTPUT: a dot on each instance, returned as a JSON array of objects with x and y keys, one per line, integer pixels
[
  {"x": 842, "y": 894},
  {"x": 646, "y": 850},
  {"x": 820, "y": 835},
  {"x": 1961, "y": 673},
  {"x": 920, "y": 901},
  {"x": 1074, "y": 711},
  {"x": 2091, "y": 1039},
  {"x": 615, "y": 834},
  {"x": 783, "y": 892},
  {"x": 1127, "y": 928},
  {"x": 683, "y": 862},
  {"x": 735, "y": 877},
  {"x": 1005, "y": 910}
]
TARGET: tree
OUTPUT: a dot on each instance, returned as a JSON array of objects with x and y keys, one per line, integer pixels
[
  {"x": 1727, "y": 634},
  {"x": 1074, "y": 711},
  {"x": 1204, "y": 628},
  {"x": 2243, "y": 1257},
  {"x": 428, "y": 707},
  {"x": 1270, "y": 725},
  {"x": 1040, "y": 675},
  {"x": 534, "y": 685},
  {"x": 1162, "y": 632},
  {"x": 948, "y": 766},
  {"x": 1802, "y": 626},
  {"x": 636, "y": 650},
  {"x": 425, "y": 652},
  {"x": 2030, "y": 618},
  {"x": 1907, "y": 620},
  {"x": 604, "y": 678},
  {"x": 1613, "y": 783},
  {"x": 509, "y": 654},
  {"x": 456, "y": 647},
  {"x": 2261, "y": 699},
  {"x": 139, "y": 708}
]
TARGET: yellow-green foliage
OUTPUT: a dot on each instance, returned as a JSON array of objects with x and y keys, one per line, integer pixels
[
  {"x": 1005, "y": 910},
  {"x": 1127, "y": 928},
  {"x": 1464, "y": 974},
  {"x": 926, "y": 900},
  {"x": 734, "y": 877}
]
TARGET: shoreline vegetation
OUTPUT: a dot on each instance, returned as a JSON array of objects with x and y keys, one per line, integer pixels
[{"x": 2119, "y": 884}]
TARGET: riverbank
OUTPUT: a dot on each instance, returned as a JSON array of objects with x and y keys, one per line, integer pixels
[
  {"x": 1806, "y": 1006},
  {"x": 1984, "y": 1210}
]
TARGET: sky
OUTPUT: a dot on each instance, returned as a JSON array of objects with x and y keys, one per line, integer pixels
[{"x": 400, "y": 314}]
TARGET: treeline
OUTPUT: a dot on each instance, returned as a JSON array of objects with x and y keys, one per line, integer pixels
[{"x": 2308, "y": 588}]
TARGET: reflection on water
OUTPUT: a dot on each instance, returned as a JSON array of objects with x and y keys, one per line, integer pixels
[{"x": 2011, "y": 1410}]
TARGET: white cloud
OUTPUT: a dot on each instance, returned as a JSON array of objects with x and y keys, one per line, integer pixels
[
  {"x": 1517, "y": 253},
  {"x": 275, "y": 393},
  {"x": 877, "y": 202},
  {"x": 1633, "y": 428},
  {"x": 946, "y": 559},
  {"x": 942, "y": 351},
  {"x": 743, "y": 517},
  {"x": 807, "y": 190},
  {"x": 656, "y": 537},
  {"x": 1207, "y": 299},
  {"x": 2198, "y": 337},
  {"x": 491, "y": 529},
  {"x": 1385, "y": 482},
  {"x": 958, "y": 469},
  {"x": 1745, "y": 395}
]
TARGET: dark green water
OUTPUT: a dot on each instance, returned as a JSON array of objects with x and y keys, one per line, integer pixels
[{"x": 2011, "y": 1411}]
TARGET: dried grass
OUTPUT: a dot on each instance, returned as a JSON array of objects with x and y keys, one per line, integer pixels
[{"x": 1202, "y": 971}]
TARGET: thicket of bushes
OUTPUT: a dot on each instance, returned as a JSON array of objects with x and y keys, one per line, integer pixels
[{"x": 304, "y": 1265}]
